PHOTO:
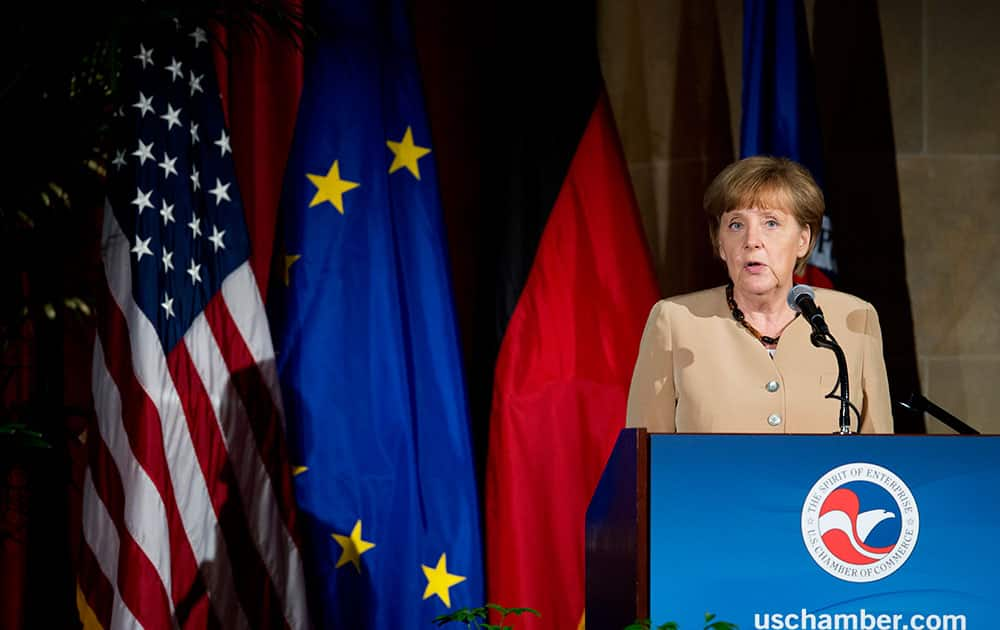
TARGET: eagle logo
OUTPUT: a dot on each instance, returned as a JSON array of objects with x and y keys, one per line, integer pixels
[{"x": 860, "y": 522}]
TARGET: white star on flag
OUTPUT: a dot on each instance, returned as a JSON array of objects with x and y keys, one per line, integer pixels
[
  {"x": 199, "y": 37},
  {"x": 168, "y": 305},
  {"x": 216, "y": 238},
  {"x": 141, "y": 248},
  {"x": 195, "y": 226},
  {"x": 144, "y": 152},
  {"x": 195, "y": 272},
  {"x": 144, "y": 104},
  {"x": 145, "y": 56},
  {"x": 194, "y": 133},
  {"x": 168, "y": 166},
  {"x": 195, "y": 178},
  {"x": 195, "y": 82},
  {"x": 142, "y": 199},
  {"x": 223, "y": 143},
  {"x": 168, "y": 260},
  {"x": 167, "y": 212},
  {"x": 119, "y": 160},
  {"x": 175, "y": 69},
  {"x": 220, "y": 191},
  {"x": 173, "y": 117}
]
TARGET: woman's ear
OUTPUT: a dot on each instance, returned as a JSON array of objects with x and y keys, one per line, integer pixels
[{"x": 805, "y": 238}]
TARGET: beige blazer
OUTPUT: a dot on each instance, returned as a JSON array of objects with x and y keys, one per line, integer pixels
[{"x": 700, "y": 371}]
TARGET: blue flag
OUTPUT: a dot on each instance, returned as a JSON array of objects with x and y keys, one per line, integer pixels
[
  {"x": 368, "y": 346},
  {"x": 779, "y": 97}
]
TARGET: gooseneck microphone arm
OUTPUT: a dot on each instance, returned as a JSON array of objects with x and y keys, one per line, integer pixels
[
  {"x": 827, "y": 341},
  {"x": 802, "y": 299}
]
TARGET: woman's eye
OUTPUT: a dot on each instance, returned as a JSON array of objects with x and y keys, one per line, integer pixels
[
  {"x": 771, "y": 223},
  {"x": 735, "y": 225}
]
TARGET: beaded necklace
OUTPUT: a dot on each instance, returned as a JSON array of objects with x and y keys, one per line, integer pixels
[{"x": 741, "y": 318}]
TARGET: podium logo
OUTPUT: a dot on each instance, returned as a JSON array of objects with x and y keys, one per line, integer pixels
[{"x": 860, "y": 522}]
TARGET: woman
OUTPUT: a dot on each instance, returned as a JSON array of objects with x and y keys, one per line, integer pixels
[{"x": 738, "y": 359}]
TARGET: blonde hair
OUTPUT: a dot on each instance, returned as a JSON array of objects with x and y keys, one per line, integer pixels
[{"x": 766, "y": 182}]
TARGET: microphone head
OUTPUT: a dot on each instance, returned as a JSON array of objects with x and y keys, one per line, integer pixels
[{"x": 798, "y": 292}]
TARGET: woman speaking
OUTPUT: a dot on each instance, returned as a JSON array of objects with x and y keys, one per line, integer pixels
[{"x": 738, "y": 359}]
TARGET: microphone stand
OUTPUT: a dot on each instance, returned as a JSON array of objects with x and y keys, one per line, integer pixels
[
  {"x": 921, "y": 405},
  {"x": 827, "y": 341}
]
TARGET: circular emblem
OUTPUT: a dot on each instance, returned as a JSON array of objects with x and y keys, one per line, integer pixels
[{"x": 860, "y": 522}]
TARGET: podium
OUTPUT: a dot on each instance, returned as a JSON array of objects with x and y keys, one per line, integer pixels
[{"x": 796, "y": 532}]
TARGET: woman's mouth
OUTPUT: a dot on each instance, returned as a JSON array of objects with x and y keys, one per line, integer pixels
[{"x": 755, "y": 267}]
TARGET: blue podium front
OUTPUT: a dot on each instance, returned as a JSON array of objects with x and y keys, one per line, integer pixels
[{"x": 812, "y": 532}]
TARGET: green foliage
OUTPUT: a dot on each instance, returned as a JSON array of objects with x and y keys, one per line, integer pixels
[
  {"x": 710, "y": 624},
  {"x": 21, "y": 436},
  {"x": 476, "y": 617}
]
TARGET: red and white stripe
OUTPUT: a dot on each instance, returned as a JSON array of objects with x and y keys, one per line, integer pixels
[
  {"x": 100, "y": 537},
  {"x": 189, "y": 493}
]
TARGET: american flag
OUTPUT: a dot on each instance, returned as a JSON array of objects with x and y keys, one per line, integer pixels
[{"x": 188, "y": 515}]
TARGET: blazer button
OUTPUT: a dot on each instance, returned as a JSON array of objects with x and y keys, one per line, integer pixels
[
  {"x": 772, "y": 386},
  {"x": 774, "y": 419}
]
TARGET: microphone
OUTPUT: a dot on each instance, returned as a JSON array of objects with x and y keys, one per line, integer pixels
[{"x": 802, "y": 299}]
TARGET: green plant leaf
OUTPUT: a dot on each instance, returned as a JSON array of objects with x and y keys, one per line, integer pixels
[
  {"x": 463, "y": 615},
  {"x": 19, "y": 433},
  {"x": 504, "y": 611},
  {"x": 670, "y": 625},
  {"x": 521, "y": 611},
  {"x": 708, "y": 618},
  {"x": 478, "y": 613}
]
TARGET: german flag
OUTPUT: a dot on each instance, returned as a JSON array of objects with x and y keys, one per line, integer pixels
[{"x": 575, "y": 286}]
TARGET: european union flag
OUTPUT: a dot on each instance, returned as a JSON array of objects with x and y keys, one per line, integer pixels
[{"x": 368, "y": 347}]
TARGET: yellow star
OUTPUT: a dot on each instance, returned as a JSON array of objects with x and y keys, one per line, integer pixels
[
  {"x": 298, "y": 470},
  {"x": 439, "y": 580},
  {"x": 289, "y": 261},
  {"x": 353, "y": 546},
  {"x": 331, "y": 188},
  {"x": 406, "y": 154}
]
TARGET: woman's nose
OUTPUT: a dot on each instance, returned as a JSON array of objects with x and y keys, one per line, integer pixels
[{"x": 752, "y": 238}]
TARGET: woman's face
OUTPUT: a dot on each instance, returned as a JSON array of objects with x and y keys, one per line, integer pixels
[{"x": 760, "y": 247}]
